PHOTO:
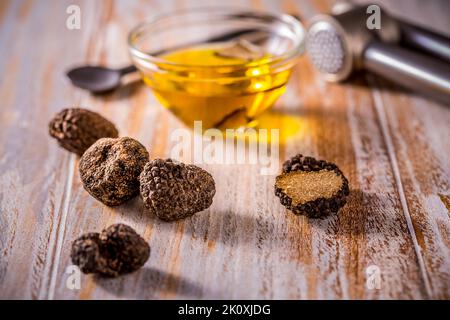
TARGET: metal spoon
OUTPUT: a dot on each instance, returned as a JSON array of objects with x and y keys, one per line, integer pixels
[
  {"x": 101, "y": 79},
  {"x": 98, "y": 79}
]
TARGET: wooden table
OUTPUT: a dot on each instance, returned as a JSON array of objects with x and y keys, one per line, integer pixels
[{"x": 393, "y": 145}]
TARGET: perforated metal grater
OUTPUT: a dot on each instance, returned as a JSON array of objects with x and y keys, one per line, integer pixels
[{"x": 414, "y": 57}]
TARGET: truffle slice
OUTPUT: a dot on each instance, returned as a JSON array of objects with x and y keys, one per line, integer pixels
[
  {"x": 311, "y": 187},
  {"x": 110, "y": 169},
  {"x": 173, "y": 190},
  {"x": 76, "y": 129},
  {"x": 117, "y": 250}
]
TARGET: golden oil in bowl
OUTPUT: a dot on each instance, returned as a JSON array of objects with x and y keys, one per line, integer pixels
[
  {"x": 224, "y": 84},
  {"x": 236, "y": 91}
]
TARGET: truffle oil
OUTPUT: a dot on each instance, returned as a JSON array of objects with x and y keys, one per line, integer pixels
[{"x": 224, "y": 85}]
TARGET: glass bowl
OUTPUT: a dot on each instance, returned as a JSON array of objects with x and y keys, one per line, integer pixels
[{"x": 223, "y": 67}]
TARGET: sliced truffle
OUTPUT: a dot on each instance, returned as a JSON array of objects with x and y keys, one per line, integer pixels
[
  {"x": 110, "y": 169},
  {"x": 117, "y": 250},
  {"x": 311, "y": 187},
  {"x": 173, "y": 190},
  {"x": 76, "y": 129}
]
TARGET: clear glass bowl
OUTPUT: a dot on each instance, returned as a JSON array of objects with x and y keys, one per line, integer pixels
[{"x": 219, "y": 66}]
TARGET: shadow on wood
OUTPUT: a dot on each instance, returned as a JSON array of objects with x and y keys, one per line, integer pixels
[
  {"x": 152, "y": 283},
  {"x": 359, "y": 216}
]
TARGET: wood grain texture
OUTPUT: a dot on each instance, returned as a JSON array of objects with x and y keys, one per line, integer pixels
[{"x": 393, "y": 145}]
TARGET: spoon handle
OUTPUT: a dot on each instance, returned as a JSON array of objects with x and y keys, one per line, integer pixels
[{"x": 127, "y": 69}]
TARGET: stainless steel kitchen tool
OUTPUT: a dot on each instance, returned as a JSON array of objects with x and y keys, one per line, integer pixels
[{"x": 340, "y": 43}]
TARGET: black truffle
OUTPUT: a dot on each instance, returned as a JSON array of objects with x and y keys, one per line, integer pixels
[
  {"x": 110, "y": 169},
  {"x": 311, "y": 187},
  {"x": 174, "y": 190},
  {"x": 117, "y": 250},
  {"x": 76, "y": 129}
]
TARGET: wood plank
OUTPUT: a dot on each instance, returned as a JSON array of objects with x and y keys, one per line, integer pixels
[
  {"x": 390, "y": 145},
  {"x": 33, "y": 178},
  {"x": 417, "y": 131}
]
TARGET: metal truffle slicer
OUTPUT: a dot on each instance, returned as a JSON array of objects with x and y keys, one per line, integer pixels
[{"x": 411, "y": 56}]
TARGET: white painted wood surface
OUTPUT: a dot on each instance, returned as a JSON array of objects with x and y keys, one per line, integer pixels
[{"x": 393, "y": 146}]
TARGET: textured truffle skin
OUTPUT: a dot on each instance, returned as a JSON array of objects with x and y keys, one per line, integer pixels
[
  {"x": 116, "y": 251},
  {"x": 86, "y": 253},
  {"x": 173, "y": 190},
  {"x": 320, "y": 207},
  {"x": 110, "y": 169},
  {"x": 76, "y": 129}
]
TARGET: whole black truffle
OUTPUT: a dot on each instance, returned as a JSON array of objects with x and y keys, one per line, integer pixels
[
  {"x": 174, "y": 190},
  {"x": 117, "y": 250},
  {"x": 76, "y": 129},
  {"x": 311, "y": 187},
  {"x": 110, "y": 169}
]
